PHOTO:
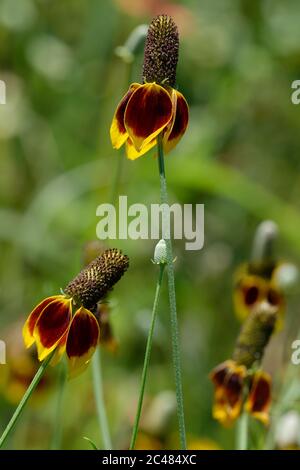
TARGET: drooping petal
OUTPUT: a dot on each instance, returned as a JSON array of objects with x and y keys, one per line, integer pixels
[
  {"x": 51, "y": 326},
  {"x": 118, "y": 133},
  {"x": 133, "y": 154},
  {"x": 83, "y": 338},
  {"x": 33, "y": 317},
  {"x": 148, "y": 112},
  {"x": 228, "y": 379},
  {"x": 60, "y": 349},
  {"x": 177, "y": 127},
  {"x": 259, "y": 400}
]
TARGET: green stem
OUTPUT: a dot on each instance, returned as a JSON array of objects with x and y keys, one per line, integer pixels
[
  {"x": 99, "y": 398},
  {"x": 25, "y": 399},
  {"x": 242, "y": 432},
  {"x": 172, "y": 297},
  {"x": 96, "y": 361},
  {"x": 147, "y": 357},
  {"x": 57, "y": 434}
]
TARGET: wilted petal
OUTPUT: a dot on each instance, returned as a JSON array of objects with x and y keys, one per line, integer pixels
[
  {"x": 83, "y": 338},
  {"x": 51, "y": 326},
  {"x": 30, "y": 323},
  {"x": 118, "y": 133},
  {"x": 133, "y": 154},
  {"x": 177, "y": 127},
  {"x": 259, "y": 400},
  {"x": 148, "y": 112}
]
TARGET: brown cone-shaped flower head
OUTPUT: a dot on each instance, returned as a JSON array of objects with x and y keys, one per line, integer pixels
[
  {"x": 155, "y": 107},
  {"x": 161, "y": 51},
  {"x": 68, "y": 323},
  {"x": 255, "y": 335},
  {"x": 98, "y": 278}
]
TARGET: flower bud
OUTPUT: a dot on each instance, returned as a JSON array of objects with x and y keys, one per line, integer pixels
[{"x": 160, "y": 252}]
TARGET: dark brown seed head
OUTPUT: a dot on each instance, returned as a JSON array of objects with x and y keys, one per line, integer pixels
[
  {"x": 255, "y": 335},
  {"x": 161, "y": 51},
  {"x": 98, "y": 278}
]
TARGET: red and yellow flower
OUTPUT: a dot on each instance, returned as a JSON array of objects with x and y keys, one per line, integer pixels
[
  {"x": 145, "y": 112},
  {"x": 56, "y": 323},
  {"x": 68, "y": 323},
  {"x": 257, "y": 284},
  {"x": 237, "y": 389},
  {"x": 239, "y": 383},
  {"x": 154, "y": 108}
]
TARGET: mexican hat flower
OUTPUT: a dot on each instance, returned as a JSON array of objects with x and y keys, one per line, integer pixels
[
  {"x": 239, "y": 383},
  {"x": 232, "y": 384},
  {"x": 153, "y": 107},
  {"x": 67, "y": 323},
  {"x": 256, "y": 283}
]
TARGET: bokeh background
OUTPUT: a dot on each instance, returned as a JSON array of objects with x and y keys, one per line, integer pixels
[{"x": 240, "y": 157}]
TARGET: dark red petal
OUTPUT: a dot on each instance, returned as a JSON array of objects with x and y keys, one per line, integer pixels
[
  {"x": 148, "y": 112},
  {"x": 234, "y": 388},
  {"x": 178, "y": 128},
  {"x": 33, "y": 318},
  {"x": 83, "y": 333},
  {"x": 260, "y": 395},
  {"x": 118, "y": 133},
  {"x": 218, "y": 375},
  {"x": 52, "y": 325}
]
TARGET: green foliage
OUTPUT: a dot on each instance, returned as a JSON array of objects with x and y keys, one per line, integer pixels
[{"x": 240, "y": 157}]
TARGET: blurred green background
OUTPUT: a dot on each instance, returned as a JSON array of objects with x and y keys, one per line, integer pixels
[{"x": 239, "y": 156}]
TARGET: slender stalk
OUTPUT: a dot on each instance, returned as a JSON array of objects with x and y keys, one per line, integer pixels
[
  {"x": 99, "y": 398},
  {"x": 172, "y": 297},
  {"x": 96, "y": 361},
  {"x": 36, "y": 379},
  {"x": 147, "y": 357},
  {"x": 242, "y": 432},
  {"x": 57, "y": 433}
]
